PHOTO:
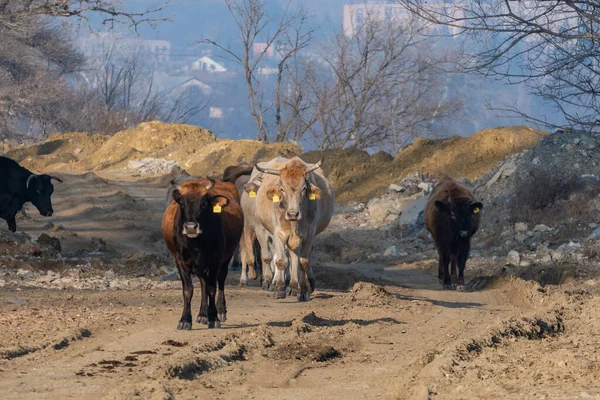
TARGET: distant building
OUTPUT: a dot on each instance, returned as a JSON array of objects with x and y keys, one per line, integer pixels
[
  {"x": 207, "y": 64},
  {"x": 355, "y": 15},
  {"x": 157, "y": 52},
  {"x": 259, "y": 48}
]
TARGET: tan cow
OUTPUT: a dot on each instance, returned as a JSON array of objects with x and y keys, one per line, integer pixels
[{"x": 293, "y": 203}]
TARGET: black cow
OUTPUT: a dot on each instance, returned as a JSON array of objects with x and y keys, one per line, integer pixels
[{"x": 18, "y": 185}]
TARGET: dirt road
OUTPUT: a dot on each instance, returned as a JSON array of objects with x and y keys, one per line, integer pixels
[{"x": 400, "y": 338}]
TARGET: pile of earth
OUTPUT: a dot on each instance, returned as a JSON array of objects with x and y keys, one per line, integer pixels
[{"x": 355, "y": 174}]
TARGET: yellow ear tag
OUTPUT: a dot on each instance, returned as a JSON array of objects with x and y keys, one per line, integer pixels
[
  {"x": 275, "y": 198},
  {"x": 216, "y": 209},
  {"x": 476, "y": 210},
  {"x": 252, "y": 194},
  {"x": 312, "y": 196}
]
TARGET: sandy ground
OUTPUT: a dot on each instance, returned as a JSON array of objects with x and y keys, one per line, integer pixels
[{"x": 402, "y": 339}]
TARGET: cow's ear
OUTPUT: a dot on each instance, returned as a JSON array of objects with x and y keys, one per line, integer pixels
[
  {"x": 314, "y": 193},
  {"x": 443, "y": 207},
  {"x": 272, "y": 192},
  {"x": 476, "y": 207},
  {"x": 177, "y": 196},
  {"x": 250, "y": 187},
  {"x": 220, "y": 201}
]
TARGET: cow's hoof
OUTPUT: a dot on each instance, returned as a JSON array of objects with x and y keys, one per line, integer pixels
[
  {"x": 184, "y": 326},
  {"x": 222, "y": 317},
  {"x": 201, "y": 320},
  {"x": 214, "y": 324},
  {"x": 460, "y": 288},
  {"x": 279, "y": 294},
  {"x": 243, "y": 284},
  {"x": 292, "y": 292},
  {"x": 303, "y": 296},
  {"x": 266, "y": 286}
]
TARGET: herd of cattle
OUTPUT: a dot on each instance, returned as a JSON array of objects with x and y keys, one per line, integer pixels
[{"x": 269, "y": 213}]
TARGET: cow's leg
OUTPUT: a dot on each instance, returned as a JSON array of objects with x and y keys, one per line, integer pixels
[
  {"x": 463, "y": 255},
  {"x": 297, "y": 285},
  {"x": 453, "y": 271},
  {"x": 443, "y": 270},
  {"x": 265, "y": 256},
  {"x": 202, "y": 317},
  {"x": 185, "y": 323},
  {"x": 221, "y": 303},
  {"x": 247, "y": 255},
  {"x": 235, "y": 260},
  {"x": 211, "y": 288},
  {"x": 280, "y": 261},
  {"x": 12, "y": 224}
]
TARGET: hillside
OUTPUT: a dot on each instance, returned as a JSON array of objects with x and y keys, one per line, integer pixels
[{"x": 355, "y": 174}]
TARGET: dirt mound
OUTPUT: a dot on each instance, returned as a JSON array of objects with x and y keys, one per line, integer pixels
[
  {"x": 357, "y": 176},
  {"x": 60, "y": 152},
  {"x": 368, "y": 294},
  {"x": 148, "y": 139}
]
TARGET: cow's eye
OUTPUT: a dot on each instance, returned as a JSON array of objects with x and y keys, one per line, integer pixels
[
  {"x": 452, "y": 215},
  {"x": 282, "y": 190}
]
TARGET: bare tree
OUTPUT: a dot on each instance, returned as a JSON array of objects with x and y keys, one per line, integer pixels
[
  {"x": 551, "y": 46},
  {"x": 386, "y": 88},
  {"x": 290, "y": 30},
  {"x": 120, "y": 92}
]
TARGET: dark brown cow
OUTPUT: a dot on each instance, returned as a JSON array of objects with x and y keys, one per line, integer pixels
[
  {"x": 452, "y": 217},
  {"x": 202, "y": 228}
]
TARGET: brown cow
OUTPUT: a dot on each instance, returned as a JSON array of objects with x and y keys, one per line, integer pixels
[
  {"x": 452, "y": 217},
  {"x": 202, "y": 228}
]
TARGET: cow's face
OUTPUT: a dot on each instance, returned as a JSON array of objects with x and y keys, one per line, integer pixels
[
  {"x": 194, "y": 200},
  {"x": 294, "y": 192},
  {"x": 461, "y": 215},
  {"x": 40, "y": 189}
]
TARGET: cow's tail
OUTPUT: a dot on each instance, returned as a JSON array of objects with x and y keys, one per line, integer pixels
[{"x": 232, "y": 173}]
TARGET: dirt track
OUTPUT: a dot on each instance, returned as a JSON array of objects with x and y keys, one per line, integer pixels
[{"x": 410, "y": 340}]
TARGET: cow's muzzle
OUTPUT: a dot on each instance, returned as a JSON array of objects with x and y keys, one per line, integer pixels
[
  {"x": 463, "y": 234},
  {"x": 48, "y": 213},
  {"x": 293, "y": 215},
  {"x": 191, "y": 230}
]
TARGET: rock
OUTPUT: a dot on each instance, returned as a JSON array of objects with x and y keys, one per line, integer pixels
[
  {"x": 396, "y": 188},
  {"x": 110, "y": 275},
  {"x": 425, "y": 186},
  {"x": 410, "y": 212},
  {"x": 77, "y": 150},
  {"x": 525, "y": 264},
  {"x": 114, "y": 284},
  {"x": 170, "y": 277},
  {"x": 17, "y": 302},
  {"x": 505, "y": 171},
  {"x": 49, "y": 242},
  {"x": 556, "y": 255},
  {"x": 98, "y": 244},
  {"x": 595, "y": 234},
  {"x": 513, "y": 258},
  {"x": 546, "y": 259},
  {"x": 593, "y": 225},
  {"x": 588, "y": 142},
  {"x": 521, "y": 227},
  {"x": 569, "y": 147},
  {"x": 391, "y": 251},
  {"x": 166, "y": 269},
  {"x": 49, "y": 226},
  {"x": 521, "y": 237},
  {"x": 2, "y": 283},
  {"x": 24, "y": 273},
  {"x": 542, "y": 228}
]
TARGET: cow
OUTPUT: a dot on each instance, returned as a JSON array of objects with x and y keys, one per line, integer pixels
[
  {"x": 202, "y": 228},
  {"x": 452, "y": 217},
  {"x": 18, "y": 186},
  {"x": 288, "y": 202},
  {"x": 239, "y": 175}
]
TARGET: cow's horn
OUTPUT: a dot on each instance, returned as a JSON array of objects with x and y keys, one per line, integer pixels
[
  {"x": 268, "y": 170},
  {"x": 315, "y": 167},
  {"x": 211, "y": 184},
  {"x": 56, "y": 178}
]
